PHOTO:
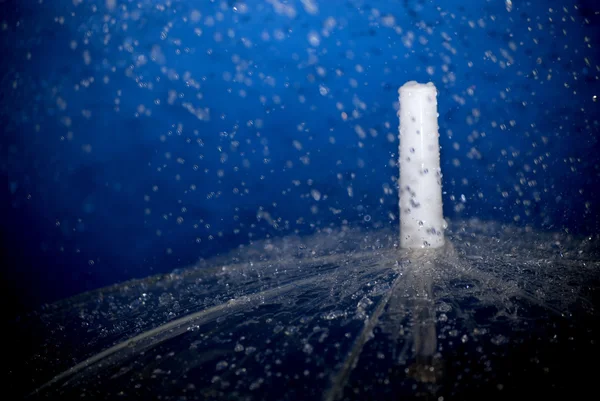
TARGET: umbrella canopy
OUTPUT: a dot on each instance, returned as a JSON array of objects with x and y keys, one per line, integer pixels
[{"x": 339, "y": 315}]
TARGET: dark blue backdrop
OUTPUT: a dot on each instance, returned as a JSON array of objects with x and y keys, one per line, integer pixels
[{"x": 140, "y": 136}]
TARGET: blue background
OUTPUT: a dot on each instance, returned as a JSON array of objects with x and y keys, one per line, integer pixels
[{"x": 140, "y": 137}]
